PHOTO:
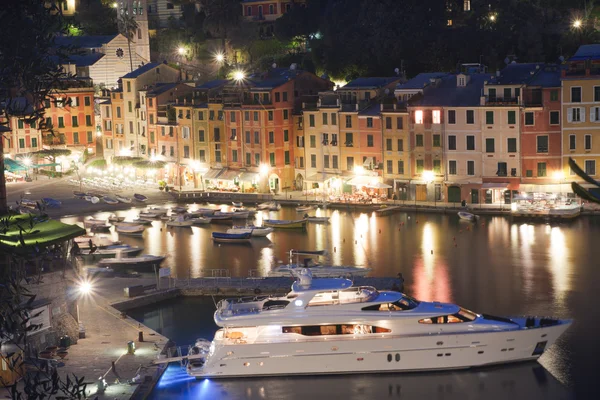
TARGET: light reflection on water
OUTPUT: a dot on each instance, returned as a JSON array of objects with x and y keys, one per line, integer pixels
[{"x": 497, "y": 266}]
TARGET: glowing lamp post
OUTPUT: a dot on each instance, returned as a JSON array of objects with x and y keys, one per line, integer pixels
[
  {"x": 84, "y": 289},
  {"x": 239, "y": 76}
]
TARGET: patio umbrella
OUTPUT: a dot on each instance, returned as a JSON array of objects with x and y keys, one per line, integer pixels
[{"x": 378, "y": 185}]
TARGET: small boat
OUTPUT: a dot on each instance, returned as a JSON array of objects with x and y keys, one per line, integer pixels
[
  {"x": 52, "y": 203},
  {"x": 99, "y": 241},
  {"x": 99, "y": 272},
  {"x": 110, "y": 200},
  {"x": 92, "y": 199},
  {"x": 200, "y": 221},
  {"x": 237, "y": 203},
  {"x": 123, "y": 250},
  {"x": 113, "y": 218},
  {"x": 467, "y": 216},
  {"x": 220, "y": 237},
  {"x": 139, "y": 221},
  {"x": 269, "y": 206},
  {"x": 149, "y": 214},
  {"x": 131, "y": 230},
  {"x": 123, "y": 199},
  {"x": 318, "y": 270},
  {"x": 255, "y": 231},
  {"x": 88, "y": 223},
  {"x": 304, "y": 208},
  {"x": 158, "y": 210},
  {"x": 144, "y": 262},
  {"x": 285, "y": 224},
  {"x": 179, "y": 210},
  {"x": 179, "y": 221},
  {"x": 205, "y": 211},
  {"x": 140, "y": 197},
  {"x": 235, "y": 214},
  {"x": 100, "y": 227},
  {"x": 221, "y": 218},
  {"x": 317, "y": 220},
  {"x": 79, "y": 195}
]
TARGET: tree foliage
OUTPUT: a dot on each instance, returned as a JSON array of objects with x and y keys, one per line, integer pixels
[{"x": 97, "y": 17}]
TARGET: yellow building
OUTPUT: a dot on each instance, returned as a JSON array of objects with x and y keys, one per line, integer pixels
[
  {"x": 581, "y": 111},
  {"x": 396, "y": 152}
]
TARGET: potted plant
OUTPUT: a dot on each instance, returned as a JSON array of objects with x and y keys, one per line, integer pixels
[{"x": 161, "y": 185}]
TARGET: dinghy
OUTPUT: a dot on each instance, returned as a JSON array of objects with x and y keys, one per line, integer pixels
[
  {"x": 123, "y": 199},
  {"x": 255, "y": 231},
  {"x": 130, "y": 230},
  {"x": 140, "y": 197},
  {"x": 467, "y": 216},
  {"x": 220, "y": 237},
  {"x": 110, "y": 200}
]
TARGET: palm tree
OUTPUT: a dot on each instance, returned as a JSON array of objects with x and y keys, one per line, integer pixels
[{"x": 128, "y": 27}]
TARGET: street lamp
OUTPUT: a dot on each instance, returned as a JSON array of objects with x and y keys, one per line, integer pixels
[
  {"x": 219, "y": 57},
  {"x": 181, "y": 50},
  {"x": 577, "y": 23},
  {"x": 84, "y": 289},
  {"x": 239, "y": 75}
]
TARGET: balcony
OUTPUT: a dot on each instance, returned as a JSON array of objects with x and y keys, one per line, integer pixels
[{"x": 501, "y": 101}]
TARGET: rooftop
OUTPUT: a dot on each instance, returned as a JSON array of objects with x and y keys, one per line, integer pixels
[
  {"x": 420, "y": 81},
  {"x": 369, "y": 83},
  {"x": 516, "y": 74},
  {"x": 84, "y": 42},
  {"x": 213, "y": 84},
  {"x": 160, "y": 88},
  {"x": 587, "y": 52},
  {"x": 371, "y": 111},
  {"x": 548, "y": 76},
  {"x": 446, "y": 93},
  {"x": 141, "y": 70},
  {"x": 84, "y": 60}
]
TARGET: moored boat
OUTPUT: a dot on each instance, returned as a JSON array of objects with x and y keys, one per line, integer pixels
[
  {"x": 179, "y": 221},
  {"x": 306, "y": 259},
  {"x": 269, "y": 206},
  {"x": 139, "y": 221},
  {"x": 109, "y": 200},
  {"x": 113, "y": 218},
  {"x": 131, "y": 230},
  {"x": 237, "y": 203},
  {"x": 341, "y": 329},
  {"x": 158, "y": 210},
  {"x": 144, "y": 262},
  {"x": 285, "y": 224},
  {"x": 123, "y": 199},
  {"x": 140, "y": 197},
  {"x": 467, "y": 216},
  {"x": 50, "y": 202},
  {"x": 149, "y": 214},
  {"x": 112, "y": 252},
  {"x": 221, "y": 237},
  {"x": 317, "y": 220},
  {"x": 99, "y": 241},
  {"x": 200, "y": 221},
  {"x": 304, "y": 208},
  {"x": 88, "y": 223},
  {"x": 255, "y": 231}
]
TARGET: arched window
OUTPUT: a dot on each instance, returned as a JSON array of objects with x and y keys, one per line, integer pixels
[
  {"x": 248, "y": 10},
  {"x": 271, "y": 9}
]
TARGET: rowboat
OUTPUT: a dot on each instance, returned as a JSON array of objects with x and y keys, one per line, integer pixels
[
  {"x": 317, "y": 269},
  {"x": 123, "y": 250},
  {"x": 235, "y": 214},
  {"x": 179, "y": 210},
  {"x": 109, "y": 200},
  {"x": 99, "y": 272},
  {"x": 149, "y": 214},
  {"x": 255, "y": 231},
  {"x": 92, "y": 199},
  {"x": 304, "y": 208},
  {"x": 318, "y": 220},
  {"x": 113, "y": 218},
  {"x": 123, "y": 199},
  {"x": 467, "y": 216},
  {"x": 179, "y": 221},
  {"x": 270, "y": 206},
  {"x": 200, "y": 221},
  {"x": 220, "y": 237},
  {"x": 130, "y": 230},
  {"x": 285, "y": 224},
  {"x": 205, "y": 211},
  {"x": 158, "y": 210},
  {"x": 144, "y": 262},
  {"x": 99, "y": 241},
  {"x": 138, "y": 221},
  {"x": 140, "y": 197},
  {"x": 88, "y": 223},
  {"x": 237, "y": 203},
  {"x": 79, "y": 195}
]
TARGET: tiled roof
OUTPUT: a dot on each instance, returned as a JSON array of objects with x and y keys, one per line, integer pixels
[
  {"x": 268, "y": 83},
  {"x": 141, "y": 70},
  {"x": 371, "y": 111},
  {"x": 446, "y": 93},
  {"x": 85, "y": 60},
  {"x": 213, "y": 84},
  {"x": 369, "y": 83},
  {"x": 161, "y": 88},
  {"x": 516, "y": 74},
  {"x": 587, "y": 52},
  {"x": 420, "y": 81},
  {"x": 548, "y": 76},
  {"x": 84, "y": 42}
]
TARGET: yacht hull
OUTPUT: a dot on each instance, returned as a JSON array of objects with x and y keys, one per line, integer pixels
[{"x": 330, "y": 354}]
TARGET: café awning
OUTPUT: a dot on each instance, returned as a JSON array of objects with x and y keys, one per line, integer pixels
[
  {"x": 249, "y": 177},
  {"x": 378, "y": 185},
  {"x": 212, "y": 173},
  {"x": 362, "y": 180},
  {"x": 13, "y": 166},
  {"x": 321, "y": 177},
  {"x": 551, "y": 188},
  {"x": 229, "y": 175}
]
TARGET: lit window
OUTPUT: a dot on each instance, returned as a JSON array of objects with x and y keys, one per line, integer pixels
[
  {"x": 436, "y": 116},
  {"x": 418, "y": 117}
]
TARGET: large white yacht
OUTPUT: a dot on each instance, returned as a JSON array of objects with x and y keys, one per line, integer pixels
[{"x": 329, "y": 326}]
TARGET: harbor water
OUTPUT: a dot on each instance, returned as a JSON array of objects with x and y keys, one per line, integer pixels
[{"x": 496, "y": 266}]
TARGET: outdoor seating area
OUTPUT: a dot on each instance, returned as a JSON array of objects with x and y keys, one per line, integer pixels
[{"x": 113, "y": 184}]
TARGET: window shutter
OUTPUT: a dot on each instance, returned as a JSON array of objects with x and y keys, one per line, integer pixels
[
  {"x": 570, "y": 115},
  {"x": 592, "y": 116},
  {"x": 582, "y": 109}
]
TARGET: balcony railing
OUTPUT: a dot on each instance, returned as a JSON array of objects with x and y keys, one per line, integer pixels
[{"x": 499, "y": 101}]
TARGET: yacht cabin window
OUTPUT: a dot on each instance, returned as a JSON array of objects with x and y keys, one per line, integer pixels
[{"x": 462, "y": 316}]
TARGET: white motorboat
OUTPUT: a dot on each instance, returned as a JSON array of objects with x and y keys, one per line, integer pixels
[
  {"x": 269, "y": 206},
  {"x": 110, "y": 200},
  {"x": 179, "y": 221},
  {"x": 467, "y": 216},
  {"x": 113, "y": 218},
  {"x": 256, "y": 231},
  {"x": 329, "y": 326},
  {"x": 304, "y": 208},
  {"x": 131, "y": 230},
  {"x": 123, "y": 199},
  {"x": 306, "y": 259}
]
